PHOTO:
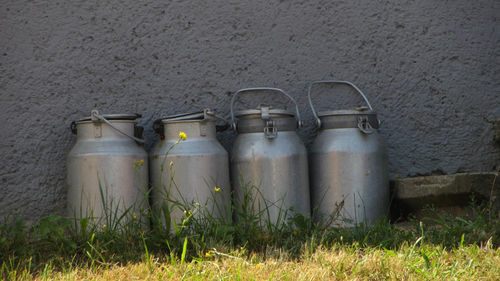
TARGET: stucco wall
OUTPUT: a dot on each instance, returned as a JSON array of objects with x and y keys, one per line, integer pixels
[{"x": 430, "y": 68}]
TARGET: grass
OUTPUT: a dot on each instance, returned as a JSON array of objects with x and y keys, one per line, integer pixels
[
  {"x": 203, "y": 246},
  {"x": 444, "y": 247},
  {"x": 339, "y": 262}
]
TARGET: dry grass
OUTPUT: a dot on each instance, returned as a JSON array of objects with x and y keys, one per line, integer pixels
[{"x": 338, "y": 263}]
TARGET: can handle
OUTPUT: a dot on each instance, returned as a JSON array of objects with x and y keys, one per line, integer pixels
[
  {"x": 233, "y": 99},
  {"x": 218, "y": 128},
  {"x": 310, "y": 84},
  {"x": 95, "y": 114}
]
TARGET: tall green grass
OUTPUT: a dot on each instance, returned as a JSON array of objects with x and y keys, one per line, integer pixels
[{"x": 55, "y": 243}]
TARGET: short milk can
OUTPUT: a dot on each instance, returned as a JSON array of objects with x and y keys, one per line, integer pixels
[
  {"x": 189, "y": 170},
  {"x": 107, "y": 172},
  {"x": 348, "y": 161},
  {"x": 269, "y": 161}
]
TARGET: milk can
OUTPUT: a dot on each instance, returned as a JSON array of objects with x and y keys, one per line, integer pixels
[
  {"x": 107, "y": 170},
  {"x": 269, "y": 161},
  {"x": 189, "y": 170},
  {"x": 349, "y": 177}
]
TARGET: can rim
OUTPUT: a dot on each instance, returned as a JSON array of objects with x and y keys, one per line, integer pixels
[
  {"x": 356, "y": 111},
  {"x": 276, "y": 111},
  {"x": 119, "y": 116}
]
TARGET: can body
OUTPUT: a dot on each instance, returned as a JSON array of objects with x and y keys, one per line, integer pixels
[
  {"x": 190, "y": 177},
  {"x": 107, "y": 174},
  {"x": 348, "y": 160},
  {"x": 349, "y": 177},
  {"x": 269, "y": 174}
]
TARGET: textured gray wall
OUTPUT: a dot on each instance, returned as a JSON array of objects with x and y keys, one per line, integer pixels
[{"x": 430, "y": 68}]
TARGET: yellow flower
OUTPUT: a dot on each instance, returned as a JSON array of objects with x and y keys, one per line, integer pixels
[
  {"x": 216, "y": 189},
  {"x": 208, "y": 254},
  {"x": 138, "y": 163},
  {"x": 182, "y": 135}
]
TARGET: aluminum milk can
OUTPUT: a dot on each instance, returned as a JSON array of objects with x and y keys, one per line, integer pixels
[
  {"x": 107, "y": 170},
  {"x": 269, "y": 162},
  {"x": 349, "y": 176},
  {"x": 190, "y": 177}
]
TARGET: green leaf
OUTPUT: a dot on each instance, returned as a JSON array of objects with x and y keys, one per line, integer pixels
[{"x": 184, "y": 250}]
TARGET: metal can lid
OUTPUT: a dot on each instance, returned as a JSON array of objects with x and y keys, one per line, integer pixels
[
  {"x": 198, "y": 116},
  {"x": 363, "y": 118},
  {"x": 105, "y": 117}
]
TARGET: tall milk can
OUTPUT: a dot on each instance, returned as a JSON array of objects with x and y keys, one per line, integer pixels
[
  {"x": 348, "y": 160},
  {"x": 107, "y": 170},
  {"x": 189, "y": 170},
  {"x": 269, "y": 161}
]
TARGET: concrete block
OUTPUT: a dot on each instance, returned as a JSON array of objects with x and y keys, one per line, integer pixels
[{"x": 449, "y": 192}]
